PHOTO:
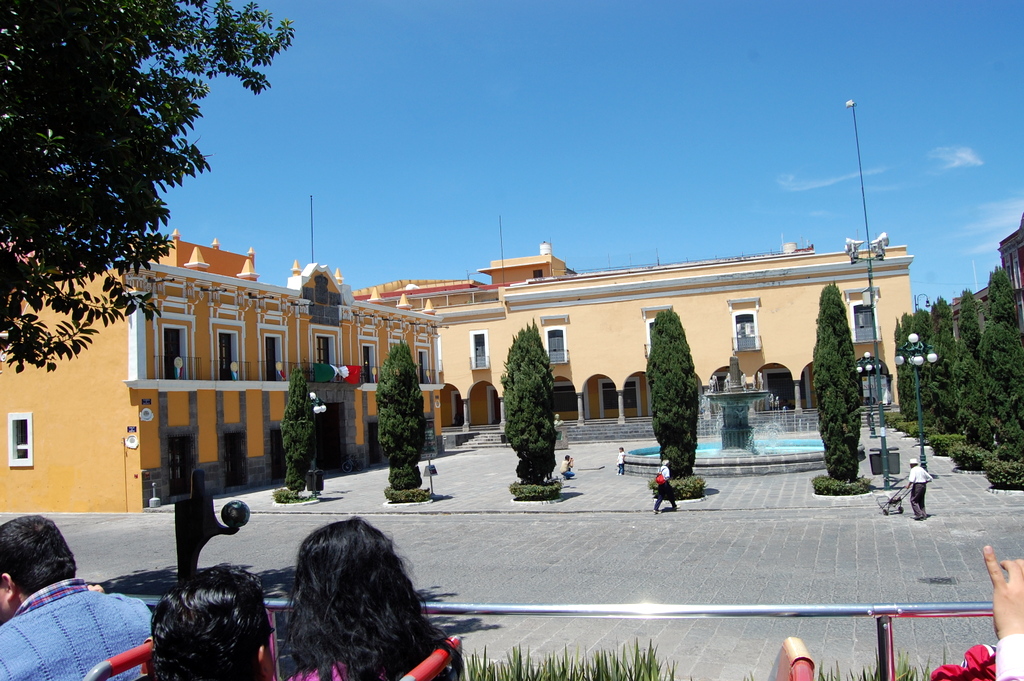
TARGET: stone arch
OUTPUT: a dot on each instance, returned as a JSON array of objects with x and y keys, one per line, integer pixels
[
  {"x": 718, "y": 377},
  {"x": 451, "y": 412},
  {"x": 636, "y": 395},
  {"x": 566, "y": 404},
  {"x": 777, "y": 379},
  {"x": 808, "y": 400},
  {"x": 600, "y": 398},
  {"x": 484, "y": 404},
  {"x": 869, "y": 386}
]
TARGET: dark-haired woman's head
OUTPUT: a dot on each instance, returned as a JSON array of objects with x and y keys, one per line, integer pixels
[{"x": 354, "y": 604}]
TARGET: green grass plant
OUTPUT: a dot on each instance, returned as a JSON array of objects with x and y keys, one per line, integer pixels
[
  {"x": 904, "y": 672},
  {"x": 634, "y": 663}
]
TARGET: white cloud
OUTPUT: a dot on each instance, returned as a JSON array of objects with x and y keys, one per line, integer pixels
[
  {"x": 995, "y": 222},
  {"x": 791, "y": 184},
  {"x": 955, "y": 157}
]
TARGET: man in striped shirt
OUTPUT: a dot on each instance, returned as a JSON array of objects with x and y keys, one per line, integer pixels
[{"x": 52, "y": 625}]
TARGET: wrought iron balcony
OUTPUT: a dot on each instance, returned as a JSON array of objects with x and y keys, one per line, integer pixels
[
  {"x": 558, "y": 356},
  {"x": 746, "y": 343}
]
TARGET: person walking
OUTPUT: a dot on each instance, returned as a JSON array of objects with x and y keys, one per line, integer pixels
[
  {"x": 918, "y": 481},
  {"x": 665, "y": 490},
  {"x": 621, "y": 462}
]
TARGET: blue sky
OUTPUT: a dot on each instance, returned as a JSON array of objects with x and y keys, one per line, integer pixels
[{"x": 621, "y": 132}]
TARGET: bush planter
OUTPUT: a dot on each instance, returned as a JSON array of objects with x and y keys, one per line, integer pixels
[
  {"x": 407, "y": 496},
  {"x": 825, "y": 486},
  {"x": 686, "y": 489},
  {"x": 285, "y": 497},
  {"x": 550, "y": 491}
]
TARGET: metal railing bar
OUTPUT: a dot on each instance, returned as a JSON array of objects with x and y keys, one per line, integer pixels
[{"x": 660, "y": 611}]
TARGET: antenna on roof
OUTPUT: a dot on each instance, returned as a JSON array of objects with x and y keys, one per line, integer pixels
[{"x": 311, "y": 257}]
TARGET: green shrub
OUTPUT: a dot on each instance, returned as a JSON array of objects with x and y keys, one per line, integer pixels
[
  {"x": 968, "y": 457},
  {"x": 894, "y": 420},
  {"x": 691, "y": 487},
  {"x": 1008, "y": 452},
  {"x": 1004, "y": 474},
  {"x": 546, "y": 492},
  {"x": 633, "y": 664},
  {"x": 942, "y": 442},
  {"x": 283, "y": 495},
  {"x": 830, "y": 487},
  {"x": 406, "y": 496}
]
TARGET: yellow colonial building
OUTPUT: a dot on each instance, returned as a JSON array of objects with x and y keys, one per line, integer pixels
[
  {"x": 596, "y": 325},
  {"x": 203, "y": 385}
]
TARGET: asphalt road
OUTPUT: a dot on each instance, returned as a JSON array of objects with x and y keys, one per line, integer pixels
[{"x": 754, "y": 541}]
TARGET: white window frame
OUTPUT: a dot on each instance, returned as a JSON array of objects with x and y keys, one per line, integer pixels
[
  {"x": 565, "y": 344},
  {"x": 183, "y": 342},
  {"x": 13, "y": 448},
  {"x": 331, "y": 355},
  {"x": 262, "y": 352},
  {"x": 472, "y": 350},
  {"x": 735, "y": 335},
  {"x": 236, "y": 348},
  {"x": 853, "y": 322},
  {"x": 855, "y": 299},
  {"x": 372, "y": 367}
]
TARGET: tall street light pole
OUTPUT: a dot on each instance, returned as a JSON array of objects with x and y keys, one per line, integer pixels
[
  {"x": 916, "y": 352},
  {"x": 875, "y": 251},
  {"x": 315, "y": 477}
]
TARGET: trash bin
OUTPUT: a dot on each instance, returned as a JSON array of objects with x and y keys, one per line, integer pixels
[
  {"x": 875, "y": 459},
  {"x": 315, "y": 481}
]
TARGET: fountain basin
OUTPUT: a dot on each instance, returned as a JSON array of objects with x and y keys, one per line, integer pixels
[{"x": 773, "y": 457}]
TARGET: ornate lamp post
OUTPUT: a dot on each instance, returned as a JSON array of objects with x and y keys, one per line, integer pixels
[
  {"x": 916, "y": 352},
  {"x": 875, "y": 251},
  {"x": 865, "y": 365},
  {"x": 315, "y": 477}
]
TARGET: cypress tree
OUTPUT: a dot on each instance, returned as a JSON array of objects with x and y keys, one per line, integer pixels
[
  {"x": 837, "y": 387},
  {"x": 1002, "y": 359},
  {"x": 401, "y": 421},
  {"x": 942, "y": 391},
  {"x": 972, "y": 402},
  {"x": 529, "y": 399},
  {"x": 297, "y": 432},
  {"x": 675, "y": 395}
]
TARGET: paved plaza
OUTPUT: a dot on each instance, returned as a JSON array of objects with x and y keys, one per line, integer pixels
[{"x": 753, "y": 540}]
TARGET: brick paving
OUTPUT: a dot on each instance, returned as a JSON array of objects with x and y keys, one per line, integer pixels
[{"x": 754, "y": 540}]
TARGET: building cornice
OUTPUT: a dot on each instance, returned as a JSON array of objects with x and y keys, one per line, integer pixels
[{"x": 705, "y": 283}]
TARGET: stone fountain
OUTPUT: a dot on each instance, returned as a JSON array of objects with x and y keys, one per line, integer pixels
[
  {"x": 738, "y": 454},
  {"x": 735, "y": 402}
]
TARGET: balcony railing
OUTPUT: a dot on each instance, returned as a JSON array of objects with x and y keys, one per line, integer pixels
[
  {"x": 180, "y": 368},
  {"x": 270, "y": 371},
  {"x": 480, "y": 362},
  {"x": 369, "y": 374},
  {"x": 864, "y": 335},
  {"x": 231, "y": 371},
  {"x": 426, "y": 375},
  {"x": 746, "y": 343},
  {"x": 558, "y": 356}
]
